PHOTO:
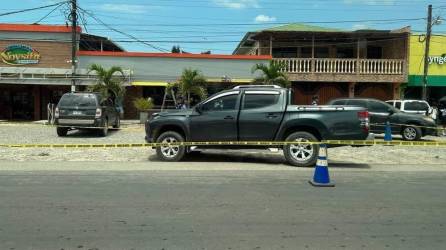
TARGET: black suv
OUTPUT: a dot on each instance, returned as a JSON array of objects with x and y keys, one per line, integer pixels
[
  {"x": 85, "y": 110},
  {"x": 411, "y": 126}
]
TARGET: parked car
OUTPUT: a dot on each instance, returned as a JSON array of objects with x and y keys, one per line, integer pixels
[
  {"x": 248, "y": 113},
  {"x": 408, "y": 125},
  {"x": 79, "y": 110},
  {"x": 412, "y": 106}
]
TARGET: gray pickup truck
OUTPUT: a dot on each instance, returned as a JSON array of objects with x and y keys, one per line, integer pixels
[{"x": 255, "y": 113}]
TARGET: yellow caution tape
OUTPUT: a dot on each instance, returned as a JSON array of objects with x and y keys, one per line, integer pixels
[{"x": 235, "y": 143}]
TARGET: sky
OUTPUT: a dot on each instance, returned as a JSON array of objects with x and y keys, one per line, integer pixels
[{"x": 218, "y": 25}]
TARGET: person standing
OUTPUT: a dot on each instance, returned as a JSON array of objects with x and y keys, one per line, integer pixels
[{"x": 315, "y": 100}]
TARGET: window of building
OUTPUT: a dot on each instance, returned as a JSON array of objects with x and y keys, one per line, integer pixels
[
  {"x": 344, "y": 52},
  {"x": 305, "y": 52},
  {"x": 284, "y": 52},
  {"x": 374, "y": 52},
  {"x": 321, "y": 52}
]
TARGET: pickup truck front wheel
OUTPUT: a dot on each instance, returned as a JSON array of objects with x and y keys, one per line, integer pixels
[
  {"x": 301, "y": 154},
  {"x": 170, "y": 152}
]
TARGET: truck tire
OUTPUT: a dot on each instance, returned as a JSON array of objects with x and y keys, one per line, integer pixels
[
  {"x": 104, "y": 131},
  {"x": 61, "y": 131},
  {"x": 303, "y": 155},
  {"x": 411, "y": 133},
  {"x": 117, "y": 122},
  {"x": 170, "y": 153}
]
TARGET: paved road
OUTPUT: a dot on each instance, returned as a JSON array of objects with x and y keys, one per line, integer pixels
[{"x": 202, "y": 205}]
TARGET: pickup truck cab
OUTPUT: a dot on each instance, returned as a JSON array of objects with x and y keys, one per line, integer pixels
[{"x": 256, "y": 113}]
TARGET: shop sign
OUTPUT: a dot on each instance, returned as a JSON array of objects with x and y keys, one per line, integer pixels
[
  {"x": 20, "y": 54},
  {"x": 440, "y": 60}
]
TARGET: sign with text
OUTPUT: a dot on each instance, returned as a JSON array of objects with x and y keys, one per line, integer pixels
[
  {"x": 437, "y": 59},
  {"x": 20, "y": 54}
]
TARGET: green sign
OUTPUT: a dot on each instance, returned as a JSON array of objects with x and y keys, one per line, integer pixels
[{"x": 20, "y": 54}]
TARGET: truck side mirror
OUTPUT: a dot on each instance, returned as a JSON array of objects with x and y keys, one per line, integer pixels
[{"x": 197, "y": 108}]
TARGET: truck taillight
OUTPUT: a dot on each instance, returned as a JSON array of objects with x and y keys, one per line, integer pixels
[
  {"x": 98, "y": 113},
  {"x": 56, "y": 113},
  {"x": 363, "y": 117}
]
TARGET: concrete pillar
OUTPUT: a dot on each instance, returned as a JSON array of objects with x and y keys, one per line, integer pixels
[
  {"x": 396, "y": 90},
  {"x": 351, "y": 89},
  {"x": 36, "y": 95}
]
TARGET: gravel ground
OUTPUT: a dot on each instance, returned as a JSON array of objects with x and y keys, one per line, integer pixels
[{"x": 36, "y": 133}]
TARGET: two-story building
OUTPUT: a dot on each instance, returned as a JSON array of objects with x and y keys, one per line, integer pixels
[{"x": 334, "y": 63}]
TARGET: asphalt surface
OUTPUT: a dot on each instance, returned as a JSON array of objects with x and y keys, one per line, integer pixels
[{"x": 218, "y": 205}]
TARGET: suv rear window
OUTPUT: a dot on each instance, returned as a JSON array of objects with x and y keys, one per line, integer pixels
[
  {"x": 415, "y": 106},
  {"x": 85, "y": 100}
]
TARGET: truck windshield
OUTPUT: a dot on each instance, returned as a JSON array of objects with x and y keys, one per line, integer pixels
[{"x": 88, "y": 100}]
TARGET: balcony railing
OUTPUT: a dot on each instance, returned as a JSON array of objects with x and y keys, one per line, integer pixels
[{"x": 343, "y": 66}]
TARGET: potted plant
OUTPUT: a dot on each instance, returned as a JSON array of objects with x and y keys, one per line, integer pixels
[{"x": 143, "y": 106}]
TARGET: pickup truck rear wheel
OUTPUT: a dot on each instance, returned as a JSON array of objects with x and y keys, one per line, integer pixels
[
  {"x": 301, "y": 154},
  {"x": 62, "y": 131},
  {"x": 170, "y": 153}
]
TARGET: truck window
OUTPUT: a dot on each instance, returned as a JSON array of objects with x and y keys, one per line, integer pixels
[
  {"x": 357, "y": 103},
  {"x": 415, "y": 106},
  {"x": 223, "y": 103},
  {"x": 256, "y": 101},
  {"x": 398, "y": 105},
  {"x": 379, "y": 107}
]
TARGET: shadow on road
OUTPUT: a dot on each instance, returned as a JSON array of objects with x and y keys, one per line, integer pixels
[
  {"x": 250, "y": 157},
  {"x": 88, "y": 133}
]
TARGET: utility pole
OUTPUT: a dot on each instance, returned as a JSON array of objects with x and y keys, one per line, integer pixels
[
  {"x": 73, "y": 16},
  {"x": 426, "y": 52}
]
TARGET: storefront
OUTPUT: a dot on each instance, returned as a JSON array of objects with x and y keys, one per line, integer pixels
[
  {"x": 35, "y": 69},
  {"x": 436, "y": 80}
]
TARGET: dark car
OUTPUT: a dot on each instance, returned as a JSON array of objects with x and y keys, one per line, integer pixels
[
  {"x": 259, "y": 114},
  {"x": 87, "y": 110},
  {"x": 411, "y": 126}
]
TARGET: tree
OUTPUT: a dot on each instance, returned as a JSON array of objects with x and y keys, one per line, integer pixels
[
  {"x": 190, "y": 82},
  {"x": 176, "y": 49},
  {"x": 107, "y": 84},
  {"x": 271, "y": 74}
]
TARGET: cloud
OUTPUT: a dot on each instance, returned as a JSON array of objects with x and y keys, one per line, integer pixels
[
  {"x": 264, "y": 19},
  {"x": 237, "y": 4},
  {"x": 360, "y": 26},
  {"x": 371, "y": 2},
  {"x": 124, "y": 8}
]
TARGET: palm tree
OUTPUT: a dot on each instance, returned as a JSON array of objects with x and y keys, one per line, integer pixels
[
  {"x": 190, "y": 82},
  {"x": 271, "y": 74},
  {"x": 107, "y": 84}
]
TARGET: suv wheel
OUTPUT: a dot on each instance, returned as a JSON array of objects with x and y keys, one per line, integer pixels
[
  {"x": 301, "y": 155},
  {"x": 61, "y": 131},
  {"x": 411, "y": 133},
  {"x": 104, "y": 131},
  {"x": 170, "y": 153},
  {"x": 117, "y": 123}
]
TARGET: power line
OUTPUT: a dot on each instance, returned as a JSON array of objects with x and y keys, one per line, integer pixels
[
  {"x": 49, "y": 13},
  {"x": 121, "y": 32},
  {"x": 31, "y": 9}
]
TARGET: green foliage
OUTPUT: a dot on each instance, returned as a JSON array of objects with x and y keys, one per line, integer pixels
[
  {"x": 176, "y": 49},
  {"x": 142, "y": 104},
  {"x": 107, "y": 84},
  {"x": 190, "y": 82},
  {"x": 271, "y": 74}
]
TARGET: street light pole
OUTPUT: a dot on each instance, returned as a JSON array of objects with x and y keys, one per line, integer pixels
[
  {"x": 424, "y": 94},
  {"x": 73, "y": 16}
]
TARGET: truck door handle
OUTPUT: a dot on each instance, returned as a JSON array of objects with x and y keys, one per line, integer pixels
[
  {"x": 271, "y": 116},
  {"x": 229, "y": 117}
]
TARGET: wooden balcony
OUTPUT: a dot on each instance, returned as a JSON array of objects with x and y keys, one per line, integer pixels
[{"x": 345, "y": 70}]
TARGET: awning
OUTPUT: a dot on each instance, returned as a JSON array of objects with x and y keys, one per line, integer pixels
[
  {"x": 432, "y": 81},
  {"x": 152, "y": 84},
  {"x": 210, "y": 80}
]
